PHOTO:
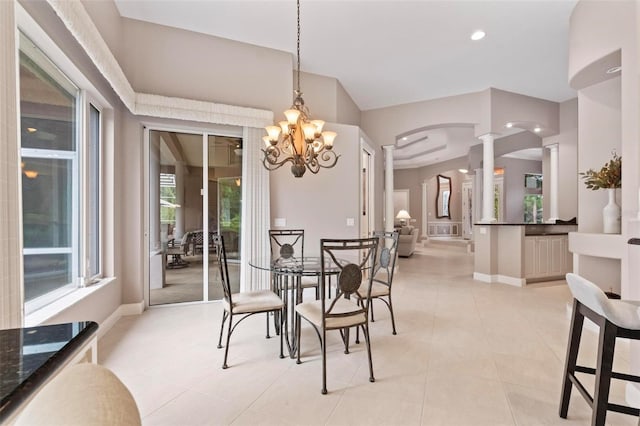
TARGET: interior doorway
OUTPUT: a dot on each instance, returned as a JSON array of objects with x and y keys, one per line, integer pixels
[
  {"x": 367, "y": 224},
  {"x": 194, "y": 191}
]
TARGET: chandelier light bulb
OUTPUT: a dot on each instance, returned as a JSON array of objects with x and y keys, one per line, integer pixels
[
  {"x": 309, "y": 130},
  {"x": 284, "y": 125},
  {"x": 319, "y": 125},
  {"x": 328, "y": 138},
  {"x": 267, "y": 141},
  {"x": 274, "y": 132},
  {"x": 292, "y": 116}
]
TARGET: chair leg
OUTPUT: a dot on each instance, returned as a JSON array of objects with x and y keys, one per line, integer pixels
[
  {"x": 298, "y": 339},
  {"x": 224, "y": 318},
  {"x": 268, "y": 336},
  {"x": 393, "y": 320},
  {"x": 575, "y": 333},
  {"x": 345, "y": 338},
  {"x": 226, "y": 349},
  {"x": 324, "y": 361},
  {"x": 281, "y": 343},
  {"x": 606, "y": 348},
  {"x": 371, "y": 309},
  {"x": 365, "y": 331}
]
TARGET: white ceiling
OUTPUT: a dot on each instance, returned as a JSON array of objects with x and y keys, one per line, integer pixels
[{"x": 389, "y": 52}]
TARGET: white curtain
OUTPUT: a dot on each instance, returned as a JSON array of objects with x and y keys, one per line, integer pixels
[
  {"x": 10, "y": 252},
  {"x": 256, "y": 215}
]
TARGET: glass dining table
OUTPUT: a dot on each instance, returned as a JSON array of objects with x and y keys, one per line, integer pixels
[{"x": 286, "y": 281}]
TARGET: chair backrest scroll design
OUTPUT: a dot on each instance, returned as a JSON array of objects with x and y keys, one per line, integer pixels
[{"x": 332, "y": 256}]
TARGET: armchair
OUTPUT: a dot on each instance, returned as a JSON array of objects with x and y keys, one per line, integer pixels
[{"x": 407, "y": 241}]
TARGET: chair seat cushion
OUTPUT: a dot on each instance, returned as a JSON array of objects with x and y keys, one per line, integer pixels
[
  {"x": 623, "y": 313},
  {"x": 312, "y": 311},
  {"x": 377, "y": 290},
  {"x": 254, "y": 301}
]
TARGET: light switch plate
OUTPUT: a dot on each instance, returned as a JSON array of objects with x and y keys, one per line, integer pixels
[
  {"x": 351, "y": 221},
  {"x": 280, "y": 221},
  {"x": 483, "y": 231}
]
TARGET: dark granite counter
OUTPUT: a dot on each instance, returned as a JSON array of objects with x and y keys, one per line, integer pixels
[{"x": 30, "y": 356}]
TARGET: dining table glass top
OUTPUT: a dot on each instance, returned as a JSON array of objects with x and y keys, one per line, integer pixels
[{"x": 306, "y": 266}]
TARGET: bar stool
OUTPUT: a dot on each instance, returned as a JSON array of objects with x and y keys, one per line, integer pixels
[{"x": 615, "y": 318}]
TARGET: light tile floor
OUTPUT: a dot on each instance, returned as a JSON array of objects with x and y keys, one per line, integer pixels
[{"x": 466, "y": 353}]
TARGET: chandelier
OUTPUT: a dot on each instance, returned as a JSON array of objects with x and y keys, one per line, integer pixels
[{"x": 303, "y": 143}]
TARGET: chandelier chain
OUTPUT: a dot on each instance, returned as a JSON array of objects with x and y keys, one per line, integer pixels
[{"x": 298, "y": 47}]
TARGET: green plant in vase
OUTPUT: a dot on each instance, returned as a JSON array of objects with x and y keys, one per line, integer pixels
[{"x": 609, "y": 177}]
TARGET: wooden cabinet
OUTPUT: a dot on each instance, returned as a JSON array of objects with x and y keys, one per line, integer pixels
[{"x": 546, "y": 256}]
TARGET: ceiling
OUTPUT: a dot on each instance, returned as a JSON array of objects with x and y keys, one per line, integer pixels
[{"x": 390, "y": 52}]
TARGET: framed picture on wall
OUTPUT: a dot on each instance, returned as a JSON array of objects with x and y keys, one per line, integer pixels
[{"x": 533, "y": 181}]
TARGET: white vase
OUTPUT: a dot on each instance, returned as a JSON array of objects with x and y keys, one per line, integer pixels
[{"x": 611, "y": 214}]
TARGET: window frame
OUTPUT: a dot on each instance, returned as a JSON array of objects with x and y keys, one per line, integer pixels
[{"x": 86, "y": 97}]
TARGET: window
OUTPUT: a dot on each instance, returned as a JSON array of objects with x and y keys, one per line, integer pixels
[{"x": 60, "y": 180}]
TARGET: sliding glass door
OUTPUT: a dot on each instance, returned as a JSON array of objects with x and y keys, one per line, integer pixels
[{"x": 194, "y": 192}]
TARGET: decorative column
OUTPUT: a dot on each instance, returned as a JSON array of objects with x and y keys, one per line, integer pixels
[
  {"x": 553, "y": 182},
  {"x": 11, "y": 277},
  {"x": 487, "y": 178},
  {"x": 389, "y": 215},
  {"x": 425, "y": 219}
]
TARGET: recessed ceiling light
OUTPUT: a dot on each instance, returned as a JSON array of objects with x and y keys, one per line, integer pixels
[
  {"x": 614, "y": 70},
  {"x": 405, "y": 138},
  {"x": 463, "y": 170},
  {"x": 478, "y": 35},
  {"x": 537, "y": 129},
  {"x": 508, "y": 125}
]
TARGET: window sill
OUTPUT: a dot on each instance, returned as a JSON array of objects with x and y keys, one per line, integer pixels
[{"x": 47, "y": 312}]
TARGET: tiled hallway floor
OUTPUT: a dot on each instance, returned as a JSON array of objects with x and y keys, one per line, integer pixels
[{"x": 466, "y": 353}]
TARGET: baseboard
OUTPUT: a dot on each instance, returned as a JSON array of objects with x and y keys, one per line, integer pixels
[
  {"x": 123, "y": 310},
  {"x": 482, "y": 277},
  {"x": 504, "y": 279},
  {"x": 518, "y": 282}
]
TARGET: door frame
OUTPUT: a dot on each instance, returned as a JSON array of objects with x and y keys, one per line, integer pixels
[
  {"x": 205, "y": 132},
  {"x": 366, "y": 149}
]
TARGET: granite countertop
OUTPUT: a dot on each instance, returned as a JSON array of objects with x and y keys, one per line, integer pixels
[{"x": 30, "y": 356}]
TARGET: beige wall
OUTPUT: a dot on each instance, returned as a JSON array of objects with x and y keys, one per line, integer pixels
[
  {"x": 172, "y": 62},
  {"x": 514, "y": 190},
  {"x": 599, "y": 133},
  {"x": 596, "y": 30},
  {"x": 512, "y": 107},
  {"x": 383, "y": 125},
  {"x": 347, "y": 111},
  {"x": 320, "y": 204},
  {"x": 567, "y": 141}
]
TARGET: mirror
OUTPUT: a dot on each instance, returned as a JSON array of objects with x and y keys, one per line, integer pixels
[{"x": 443, "y": 198}]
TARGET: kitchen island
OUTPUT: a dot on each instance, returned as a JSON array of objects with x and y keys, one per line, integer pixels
[{"x": 521, "y": 253}]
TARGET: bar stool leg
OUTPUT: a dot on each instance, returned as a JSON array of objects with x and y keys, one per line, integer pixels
[
  {"x": 575, "y": 334},
  {"x": 606, "y": 348}
]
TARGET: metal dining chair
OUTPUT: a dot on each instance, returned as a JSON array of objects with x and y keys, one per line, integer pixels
[
  {"x": 241, "y": 304},
  {"x": 341, "y": 312},
  {"x": 383, "y": 274}
]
